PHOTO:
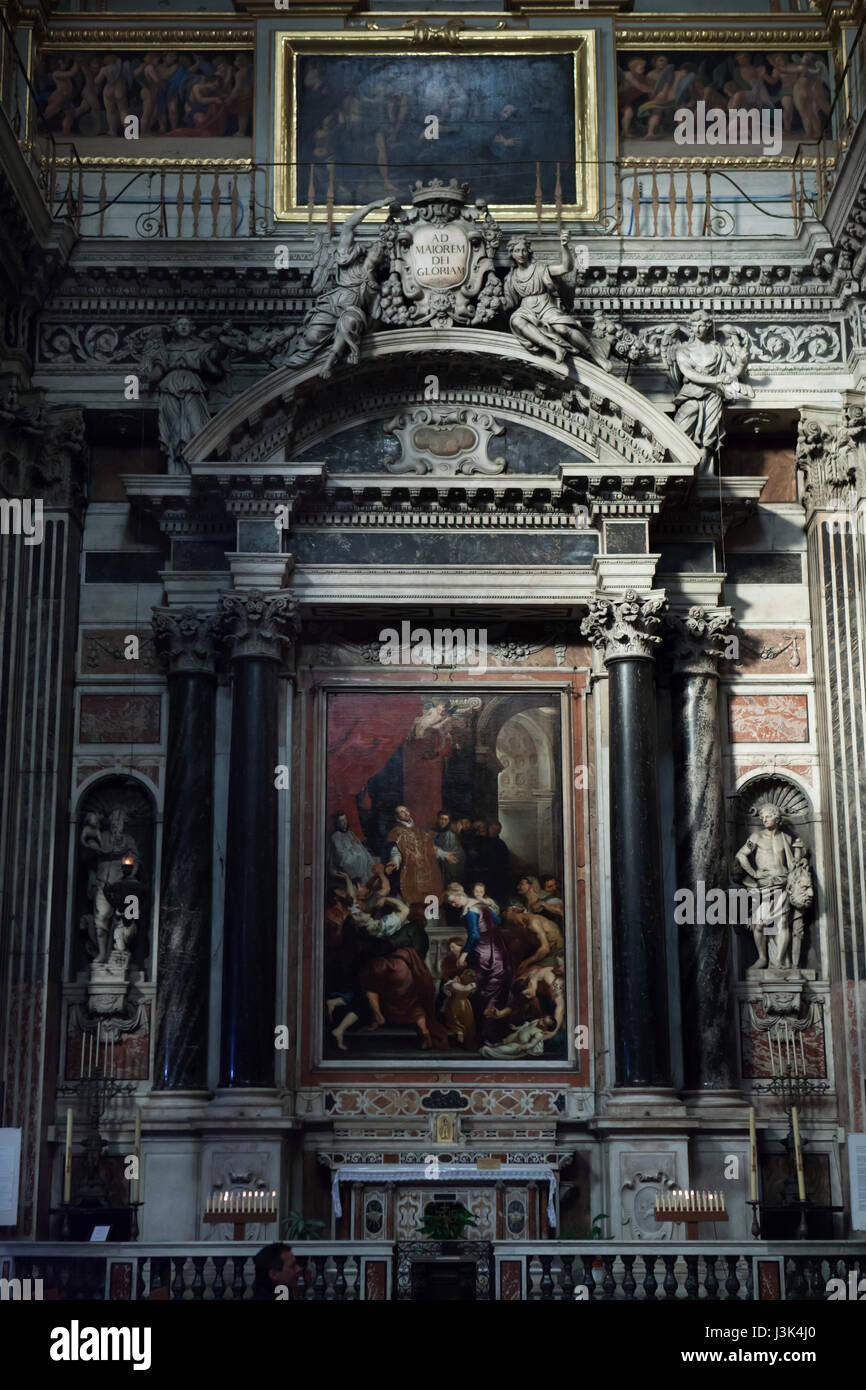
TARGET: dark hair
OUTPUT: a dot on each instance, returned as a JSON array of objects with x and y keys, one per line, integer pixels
[{"x": 268, "y": 1258}]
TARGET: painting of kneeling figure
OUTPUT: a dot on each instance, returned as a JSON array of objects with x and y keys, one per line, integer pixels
[{"x": 444, "y": 914}]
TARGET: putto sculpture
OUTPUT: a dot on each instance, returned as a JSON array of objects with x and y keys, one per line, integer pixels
[
  {"x": 705, "y": 374},
  {"x": 538, "y": 319}
]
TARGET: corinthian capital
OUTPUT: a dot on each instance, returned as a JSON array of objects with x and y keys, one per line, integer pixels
[
  {"x": 624, "y": 627},
  {"x": 830, "y": 456},
  {"x": 258, "y": 624},
  {"x": 186, "y": 640},
  {"x": 700, "y": 640}
]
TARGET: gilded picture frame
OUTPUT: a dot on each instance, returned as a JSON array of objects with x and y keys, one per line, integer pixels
[{"x": 580, "y": 178}]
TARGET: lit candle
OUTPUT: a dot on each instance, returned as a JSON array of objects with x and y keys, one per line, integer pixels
[
  {"x": 722, "y": 1198},
  {"x": 712, "y": 1201},
  {"x": 753, "y": 1157},
  {"x": 67, "y": 1161},
  {"x": 802, "y": 1050},
  {"x": 798, "y": 1154}
]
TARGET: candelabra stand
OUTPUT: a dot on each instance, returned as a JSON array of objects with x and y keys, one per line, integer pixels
[
  {"x": 793, "y": 1089},
  {"x": 97, "y": 1092}
]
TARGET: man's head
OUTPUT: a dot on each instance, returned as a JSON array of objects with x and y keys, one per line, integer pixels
[
  {"x": 443, "y": 820},
  {"x": 479, "y": 890},
  {"x": 769, "y": 815},
  {"x": 701, "y": 325},
  {"x": 480, "y": 827},
  {"x": 494, "y": 829},
  {"x": 403, "y": 814},
  {"x": 524, "y": 886},
  {"x": 276, "y": 1265},
  {"x": 341, "y": 821},
  {"x": 549, "y": 883},
  {"x": 455, "y": 946}
]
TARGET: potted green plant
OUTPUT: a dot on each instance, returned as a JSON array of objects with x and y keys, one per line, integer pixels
[
  {"x": 295, "y": 1226},
  {"x": 447, "y": 1221}
]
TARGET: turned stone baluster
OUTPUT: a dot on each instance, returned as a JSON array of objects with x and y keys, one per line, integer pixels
[
  {"x": 608, "y": 1283},
  {"x": 546, "y": 1285},
  {"x": 819, "y": 1284},
  {"x": 219, "y": 1283},
  {"x": 340, "y": 1279},
  {"x": 691, "y": 1276},
  {"x": 320, "y": 1287},
  {"x": 586, "y": 1277},
  {"x": 711, "y": 1283},
  {"x": 628, "y": 1279},
  {"x": 140, "y": 1285},
  {"x": 198, "y": 1277},
  {"x": 650, "y": 1283},
  {"x": 732, "y": 1283},
  {"x": 670, "y": 1285},
  {"x": 178, "y": 1284},
  {"x": 238, "y": 1285},
  {"x": 567, "y": 1278}
]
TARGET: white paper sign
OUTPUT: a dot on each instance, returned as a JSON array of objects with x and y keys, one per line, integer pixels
[
  {"x": 100, "y": 1233},
  {"x": 857, "y": 1178},
  {"x": 10, "y": 1167}
]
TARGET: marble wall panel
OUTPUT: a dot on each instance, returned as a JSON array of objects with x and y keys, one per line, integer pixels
[
  {"x": 119, "y": 719},
  {"x": 769, "y": 719}
]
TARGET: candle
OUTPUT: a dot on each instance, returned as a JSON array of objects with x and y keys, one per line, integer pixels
[
  {"x": 753, "y": 1157},
  {"x": 712, "y": 1201},
  {"x": 798, "y": 1154},
  {"x": 134, "y": 1186},
  {"x": 98, "y": 1041},
  {"x": 802, "y": 1051},
  {"x": 67, "y": 1161},
  {"x": 723, "y": 1201},
  {"x": 113, "y": 1073},
  {"x": 89, "y": 1054},
  {"x": 772, "y": 1058},
  {"x": 81, "y": 1070}
]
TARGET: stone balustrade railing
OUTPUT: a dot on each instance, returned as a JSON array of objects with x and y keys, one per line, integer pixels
[{"x": 348, "y": 1271}]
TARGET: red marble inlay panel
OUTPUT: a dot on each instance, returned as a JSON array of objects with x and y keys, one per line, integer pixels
[
  {"x": 770, "y": 765},
  {"x": 773, "y": 651},
  {"x": 130, "y": 1053},
  {"x": 119, "y": 719},
  {"x": 375, "y": 1284},
  {"x": 769, "y": 719},
  {"x": 120, "y": 1285},
  {"x": 756, "y": 1047},
  {"x": 509, "y": 1281},
  {"x": 114, "y": 764},
  {"x": 769, "y": 1290}
]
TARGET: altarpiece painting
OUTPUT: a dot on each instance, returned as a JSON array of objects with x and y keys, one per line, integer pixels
[{"x": 445, "y": 921}]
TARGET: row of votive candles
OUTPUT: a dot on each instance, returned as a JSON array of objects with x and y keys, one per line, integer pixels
[
  {"x": 680, "y": 1200},
  {"x": 257, "y": 1201}
]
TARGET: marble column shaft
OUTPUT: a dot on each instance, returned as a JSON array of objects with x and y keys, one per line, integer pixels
[
  {"x": 184, "y": 943},
  {"x": 624, "y": 631},
  {"x": 257, "y": 625},
  {"x": 707, "y": 1000}
]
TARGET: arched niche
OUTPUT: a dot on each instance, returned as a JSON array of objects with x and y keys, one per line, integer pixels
[
  {"x": 115, "y": 822},
  {"x": 797, "y": 820}
]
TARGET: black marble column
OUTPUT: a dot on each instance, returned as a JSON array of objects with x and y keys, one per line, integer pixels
[
  {"x": 257, "y": 625},
  {"x": 624, "y": 630},
  {"x": 186, "y": 640},
  {"x": 706, "y": 988}
]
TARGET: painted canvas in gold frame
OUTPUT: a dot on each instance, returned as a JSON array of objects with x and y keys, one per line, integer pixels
[{"x": 300, "y": 54}]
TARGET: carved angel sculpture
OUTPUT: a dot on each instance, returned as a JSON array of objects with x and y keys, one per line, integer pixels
[
  {"x": 179, "y": 368},
  {"x": 345, "y": 282},
  {"x": 705, "y": 373},
  {"x": 538, "y": 319}
]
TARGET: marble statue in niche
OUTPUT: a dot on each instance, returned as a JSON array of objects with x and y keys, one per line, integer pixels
[
  {"x": 705, "y": 374},
  {"x": 537, "y": 317},
  {"x": 774, "y": 866},
  {"x": 112, "y": 857},
  {"x": 179, "y": 369}
]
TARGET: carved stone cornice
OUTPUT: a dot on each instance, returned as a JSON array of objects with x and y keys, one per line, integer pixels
[
  {"x": 697, "y": 640},
  {"x": 256, "y": 624},
  {"x": 187, "y": 640},
  {"x": 624, "y": 628}
]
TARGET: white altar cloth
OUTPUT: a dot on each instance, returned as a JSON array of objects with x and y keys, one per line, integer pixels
[{"x": 444, "y": 1174}]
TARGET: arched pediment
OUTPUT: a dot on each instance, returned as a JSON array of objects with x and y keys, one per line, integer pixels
[{"x": 576, "y": 404}]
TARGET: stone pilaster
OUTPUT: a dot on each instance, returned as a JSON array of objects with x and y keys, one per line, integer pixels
[
  {"x": 186, "y": 640},
  {"x": 257, "y": 627},
  {"x": 625, "y": 631},
  {"x": 706, "y": 994},
  {"x": 831, "y": 453}
]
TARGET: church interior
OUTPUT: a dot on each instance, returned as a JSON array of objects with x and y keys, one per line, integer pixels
[{"x": 433, "y": 628}]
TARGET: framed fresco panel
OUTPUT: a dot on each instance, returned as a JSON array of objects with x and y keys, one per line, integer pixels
[
  {"x": 746, "y": 103},
  {"x": 445, "y": 927},
  {"x": 192, "y": 101},
  {"x": 362, "y": 119}
]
